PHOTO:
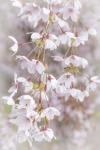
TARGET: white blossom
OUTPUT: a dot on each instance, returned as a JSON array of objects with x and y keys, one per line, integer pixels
[
  {"x": 63, "y": 24},
  {"x": 67, "y": 38},
  {"x": 33, "y": 66},
  {"x": 76, "y": 61},
  {"x": 70, "y": 12},
  {"x": 51, "y": 42},
  {"x": 27, "y": 102},
  {"x": 35, "y": 36},
  {"x": 50, "y": 113},
  {"x": 50, "y": 45},
  {"x": 79, "y": 95},
  {"x": 67, "y": 80},
  {"x": 46, "y": 135},
  {"x": 49, "y": 80},
  {"x": 17, "y": 80}
]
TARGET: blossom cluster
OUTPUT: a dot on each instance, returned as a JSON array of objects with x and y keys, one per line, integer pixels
[{"x": 37, "y": 97}]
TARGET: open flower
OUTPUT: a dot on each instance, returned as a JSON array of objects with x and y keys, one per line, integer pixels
[
  {"x": 50, "y": 113},
  {"x": 63, "y": 24},
  {"x": 76, "y": 61},
  {"x": 48, "y": 42},
  {"x": 50, "y": 81},
  {"x": 67, "y": 38},
  {"x": 72, "y": 10},
  {"x": 27, "y": 102},
  {"x": 66, "y": 80},
  {"x": 79, "y": 95},
  {"x": 33, "y": 66},
  {"x": 46, "y": 134},
  {"x": 17, "y": 80},
  {"x": 92, "y": 85}
]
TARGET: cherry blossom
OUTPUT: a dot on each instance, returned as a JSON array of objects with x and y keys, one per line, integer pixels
[
  {"x": 76, "y": 61},
  {"x": 33, "y": 66},
  {"x": 67, "y": 80},
  {"x": 79, "y": 95},
  {"x": 42, "y": 93},
  {"x": 46, "y": 135},
  {"x": 50, "y": 113},
  {"x": 51, "y": 42},
  {"x": 72, "y": 10}
]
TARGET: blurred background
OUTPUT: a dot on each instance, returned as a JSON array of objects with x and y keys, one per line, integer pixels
[{"x": 10, "y": 24}]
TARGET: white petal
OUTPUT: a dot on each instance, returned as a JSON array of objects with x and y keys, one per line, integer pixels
[
  {"x": 67, "y": 80},
  {"x": 53, "y": 1},
  {"x": 14, "y": 48},
  {"x": 46, "y": 11},
  {"x": 76, "y": 61},
  {"x": 46, "y": 135},
  {"x": 50, "y": 82},
  {"x": 49, "y": 135},
  {"x": 35, "y": 36},
  {"x": 21, "y": 79},
  {"x": 28, "y": 86},
  {"x": 12, "y": 89},
  {"x": 9, "y": 100},
  {"x": 27, "y": 64},
  {"x": 26, "y": 100},
  {"x": 92, "y": 86},
  {"x": 16, "y": 3},
  {"x": 79, "y": 95},
  {"x": 50, "y": 45},
  {"x": 62, "y": 23},
  {"x": 77, "y": 4},
  {"x": 50, "y": 113},
  {"x": 40, "y": 67},
  {"x": 43, "y": 94}
]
